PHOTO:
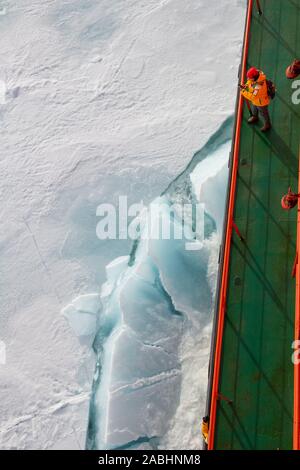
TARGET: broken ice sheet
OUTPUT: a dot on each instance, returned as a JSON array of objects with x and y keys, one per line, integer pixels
[{"x": 154, "y": 317}]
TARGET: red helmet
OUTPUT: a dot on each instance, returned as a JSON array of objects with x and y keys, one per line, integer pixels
[
  {"x": 252, "y": 73},
  {"x": 289, "y": 201},
  {"x": 293, "y": 70}
]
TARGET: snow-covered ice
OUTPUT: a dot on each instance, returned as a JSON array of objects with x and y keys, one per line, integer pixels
[
  {"x": 152, "y": 343},
  {"x": 102, "y": 98}
]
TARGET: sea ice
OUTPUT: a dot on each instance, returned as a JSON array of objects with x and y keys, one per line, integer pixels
[{"x": 153, "y": 336}]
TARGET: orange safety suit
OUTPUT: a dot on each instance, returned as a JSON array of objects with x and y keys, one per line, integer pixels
[
  {"x": 257, "y": 91},
  {"x": 204, "y": 430}
]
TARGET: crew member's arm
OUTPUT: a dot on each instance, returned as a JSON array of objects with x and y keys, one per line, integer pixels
[{"x": 248, "y": 91}]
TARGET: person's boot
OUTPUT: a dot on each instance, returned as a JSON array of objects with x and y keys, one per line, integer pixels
[
  {"x": 252, "y": 119},
  {"x": 266, "y": 128}
]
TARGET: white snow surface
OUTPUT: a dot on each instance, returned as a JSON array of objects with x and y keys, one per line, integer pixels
[{"x": 103, "y": 98}]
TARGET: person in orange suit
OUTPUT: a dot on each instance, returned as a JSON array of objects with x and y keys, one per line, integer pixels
[
  {"x": 205, "y": 428},
  {"x": 256, "y": 91}
]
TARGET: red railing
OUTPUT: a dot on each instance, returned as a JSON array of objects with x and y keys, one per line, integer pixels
[
  {"x": 296, "y": 430},
  {"x": 227, "y": 246}
]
